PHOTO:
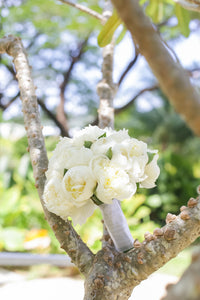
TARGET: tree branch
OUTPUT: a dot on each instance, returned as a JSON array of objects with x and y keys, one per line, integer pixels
[
  {"x": 172, "y": 78},
  {"x": 127, "y": 105},
  {"x": 60, "y": 115},
  {"x": 188, "y": 287},
  {"x": 146, "y": 257},
  {"x": 5, "y": 106},
  {"x": 106, "y": 87},
  {"x": 130, "y": 102},
  {"x": 128, "y": 68},
  {"x": 53, "y": 118},
  {"x": 68, "y": 238},
  {"x": 85, "y": 10},
  {"x": 190, "y": 4}
]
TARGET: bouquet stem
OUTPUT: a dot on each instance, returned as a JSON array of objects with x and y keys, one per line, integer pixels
[{"x": 117, "y": 226}]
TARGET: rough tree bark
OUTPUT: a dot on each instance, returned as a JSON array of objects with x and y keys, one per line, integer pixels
[
  {"x": 106, "y": 88},
  {"x": 172, "y": 78},
  {"x": 109, "y": 274},
  {"x": 188, "y": 288},
  {"x": 66, "y": 235}
]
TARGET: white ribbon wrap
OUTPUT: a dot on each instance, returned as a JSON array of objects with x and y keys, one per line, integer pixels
[{"x": 117, "y": 226}]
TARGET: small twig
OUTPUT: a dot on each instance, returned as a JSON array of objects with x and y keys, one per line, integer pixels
[
  {"x": 60, "y": 115},
  {"x": 85, "y": 10},
  {"x": 128, "y": 68},
  {"x": 127, "y": 105},
  {"x": 53, "y": 118},
  {"x": 5, "y": 106}
]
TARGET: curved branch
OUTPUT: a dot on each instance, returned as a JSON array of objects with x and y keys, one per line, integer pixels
[
  {"x": 60, "y": 115},
  {"x": 148, "y": 89},
  {"x": 190, "y": 4},
  {"x": 5, "y": 106},
  {"x": 172, "y": 78},
  {"x": 85, "y": 10},
  {"x": 128, "y": 68},
  {"x": 53, "y": 118},
  {"x": 68, "y": 238},
  {"x": 130, "y": 102}
]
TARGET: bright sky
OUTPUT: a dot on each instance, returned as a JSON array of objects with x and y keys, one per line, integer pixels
[{"x": 187, "y": 50}]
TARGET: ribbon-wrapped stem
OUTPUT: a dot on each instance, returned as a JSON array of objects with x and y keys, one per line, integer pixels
[{"x": 117, "y": 226}]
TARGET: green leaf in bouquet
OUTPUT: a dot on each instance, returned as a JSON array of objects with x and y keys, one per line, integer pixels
[
  {"x": 65, "y": 171},
  {"x": 109, "y": 153},
  {"x": 101, "y": 136},
  {"x": 87, "y": 144}
]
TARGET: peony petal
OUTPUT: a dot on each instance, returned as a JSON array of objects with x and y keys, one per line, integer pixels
[
  {"x": 152, "y": 171},
  {"x": 79, "y": 216}
]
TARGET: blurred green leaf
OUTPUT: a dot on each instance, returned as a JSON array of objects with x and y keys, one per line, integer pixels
[
  {"x": 109, "y": 153},
  {"x": 9, "y": 199},
  {"x": 130, "y": 206},
  {"x": 155, "y": 9},
  {"x": 154, "y": 201},
  {"x": 183, "y": 17},
  {"x": 142, "y": 212},
  {"x": 12, "y": 238},
  {"x": 106, "y": 34}
]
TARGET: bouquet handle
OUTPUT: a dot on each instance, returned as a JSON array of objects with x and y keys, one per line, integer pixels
[{"x": 117, "y": 226}]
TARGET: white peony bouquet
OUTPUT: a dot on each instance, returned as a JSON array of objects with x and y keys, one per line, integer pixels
[{"x": 96, "y": 167}]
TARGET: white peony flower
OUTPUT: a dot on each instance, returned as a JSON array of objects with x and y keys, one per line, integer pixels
[
  {"x": 112, "y": 181},
  {"x": 90, "y": 133},
  {"x": 66, "y": 157},
  {"x": 73, "y": 202},
  {"x": 152, "y": 171},
  {"x": 54, "y": 198},
  {"x": 78, "y": 185},
  {"x": 131, "y": 155},
  {"x": 111, "y": 139}
]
